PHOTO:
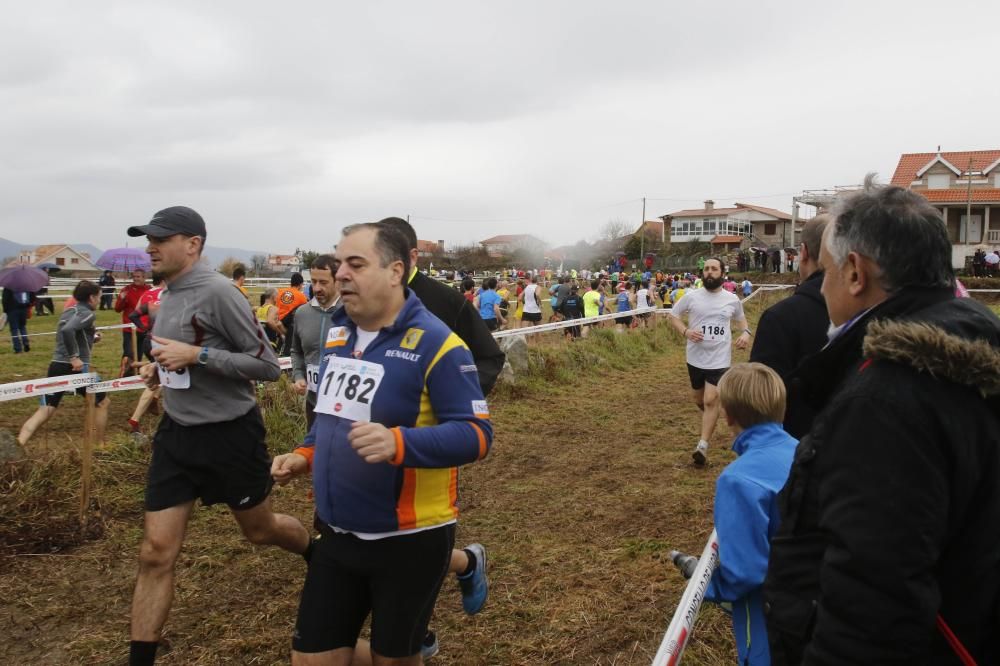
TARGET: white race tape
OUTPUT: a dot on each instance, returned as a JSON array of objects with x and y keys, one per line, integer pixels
[
  {"x": 45, "y": 386},
  {"x": 555, "y": 326},
  {"x": 123, "y": 384}
]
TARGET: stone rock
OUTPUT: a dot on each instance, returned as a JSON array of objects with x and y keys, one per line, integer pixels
[
  {"x": 10, "y": 450},
  {"x": 516, "y": 349}
]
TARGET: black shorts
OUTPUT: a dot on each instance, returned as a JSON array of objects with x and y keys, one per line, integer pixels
[
  {"x": 140, "y": 338},
  {"x": 531, "y": 316},
  {"x": 492, "y": 324},
  {"x": 396, "y": 580},
  {"x": 60, "y": 369},
  {"x": 624, "y": 320},
  {"x": 700, "y": 376},
  {"x": 216, "y": 462}
]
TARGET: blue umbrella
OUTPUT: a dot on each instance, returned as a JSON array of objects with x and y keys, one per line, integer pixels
[
  {"x": 49, "y": 266},
  {"x": 23, "y": 278},
  {"x": 124, "y": 259}
]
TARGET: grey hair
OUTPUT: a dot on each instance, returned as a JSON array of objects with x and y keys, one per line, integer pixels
[
  {"x": 390, "y": 243},
  {"x": 270, "y": 292},
  {"x": 898, "y": 230}
]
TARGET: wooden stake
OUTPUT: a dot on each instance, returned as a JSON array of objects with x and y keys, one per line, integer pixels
[
  {"x": 87, "y": 455},
  {"x": 135, "y": 346}
]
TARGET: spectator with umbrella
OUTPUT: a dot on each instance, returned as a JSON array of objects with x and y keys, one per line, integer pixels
[
  {"x": 43, "y": 301},
  {"x": 19, "y": 286},
  {"x": 136, "y": 261},
  {"x": 107, "y": 283}
]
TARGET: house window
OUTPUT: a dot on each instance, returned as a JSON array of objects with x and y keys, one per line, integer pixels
[
  {"x": 709, "y": 226},
  {"x": 74, "y": 260},
  {"x": 996, "y": 181},
  {"x": 60, "y": 261},
  {"x": 938, "y": 181},
  {"x": 770, "y": 229}
]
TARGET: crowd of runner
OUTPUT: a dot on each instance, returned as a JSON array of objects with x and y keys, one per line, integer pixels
[{"x": 857, "y": 525}]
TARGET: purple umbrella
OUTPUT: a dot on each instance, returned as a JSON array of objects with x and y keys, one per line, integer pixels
[
  {"x": 124, "y": 259},
  {"x": 23, "y": 278}
]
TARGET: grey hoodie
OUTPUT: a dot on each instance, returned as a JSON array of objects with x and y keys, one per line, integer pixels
[
  {"x": 75, "y": 334},
  {"x": 204, "y": 309},
  {"x": 308, "y": 337}
]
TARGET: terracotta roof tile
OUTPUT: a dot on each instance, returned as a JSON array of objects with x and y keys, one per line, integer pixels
[
  {"x": 911, "y": 163},
  {"x": 703, "y": 212},
  {"x": 714, "y": 212},
  {"x": 961, "y": 195},
  {"x": 508, "y": 238},
  {"x": 427, "y": 246}
]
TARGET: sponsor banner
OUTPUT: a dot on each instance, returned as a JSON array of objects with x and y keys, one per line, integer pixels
[
  {"x": 45, "y": 386},
  {"x": 682, "y": 625},
  {"x": 123, "y": 384},
  {"x": 285, "y": 362}
]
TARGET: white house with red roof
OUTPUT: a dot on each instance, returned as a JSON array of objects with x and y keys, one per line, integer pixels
[
  {"x": 507, "y": 244},
  {"x": 728, "y": 228},
  {"x": 955, "y": 182},
  {"x": 62, "y": 255},
  {"x": 427, "y": 248}
]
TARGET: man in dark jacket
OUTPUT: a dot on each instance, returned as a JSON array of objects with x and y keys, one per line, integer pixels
[
  {"x": 17, "y": 307},
  {"x": 794, "y": 328},
  {"x": 888, "y": 541}
]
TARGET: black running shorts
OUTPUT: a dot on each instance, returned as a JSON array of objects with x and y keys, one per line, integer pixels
[
  {"x": 215, "y": 462},
  {"x": 60, "y": 369},
  {"x": 531, "y": 316},
  {"x": 699, "y": 376},
  {"x": 396, "y": 580}
]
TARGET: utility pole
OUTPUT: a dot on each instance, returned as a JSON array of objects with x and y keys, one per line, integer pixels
[
  {"x": 968, "y": 205},
  {"x": 642, "y": 232}
]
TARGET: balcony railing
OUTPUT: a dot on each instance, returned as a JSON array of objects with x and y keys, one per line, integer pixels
[{"x": 993, "y": 236}]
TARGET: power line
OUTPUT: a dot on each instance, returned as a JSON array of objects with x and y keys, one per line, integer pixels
[{"x": 471, "y": 221}]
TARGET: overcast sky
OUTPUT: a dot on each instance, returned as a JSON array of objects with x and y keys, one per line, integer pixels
[{"x": 282, "y": 122}]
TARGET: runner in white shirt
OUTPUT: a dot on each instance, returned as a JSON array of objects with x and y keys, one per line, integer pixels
[
  {"x": 711, "y": 313},
  {"x": 532, "y": 312},
  {"x": 644, "y": 299}
]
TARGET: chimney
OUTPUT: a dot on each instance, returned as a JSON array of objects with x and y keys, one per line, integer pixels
[
  {"x": 440, "y": 246},
  {"x": 709, "y": 205}
]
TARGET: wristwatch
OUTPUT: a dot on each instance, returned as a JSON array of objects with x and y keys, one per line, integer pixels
[{"x": 203, "y": 356}]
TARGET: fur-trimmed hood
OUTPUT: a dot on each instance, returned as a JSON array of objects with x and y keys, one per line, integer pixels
[{"x": 957, "y": 341}]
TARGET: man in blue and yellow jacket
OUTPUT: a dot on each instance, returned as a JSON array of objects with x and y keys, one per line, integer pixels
[{"x": 399, "y": 408}]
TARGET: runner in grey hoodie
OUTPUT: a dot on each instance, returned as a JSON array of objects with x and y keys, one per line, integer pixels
[
  {"x": 75, "y": 336},
  {"x": 208, "y": 349}
]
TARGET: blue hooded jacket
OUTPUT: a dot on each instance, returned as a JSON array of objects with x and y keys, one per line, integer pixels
[{"x": 746, "y": 516}]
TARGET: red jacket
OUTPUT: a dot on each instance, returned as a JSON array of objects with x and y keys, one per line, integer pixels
[{"x": 128, "y": 300}]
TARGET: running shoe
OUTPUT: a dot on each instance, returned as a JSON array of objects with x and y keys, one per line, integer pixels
[
  {"x": 700, "y": 454},
  {"x": 475, "y": 587},
  {"x": 429, "y": 647}
]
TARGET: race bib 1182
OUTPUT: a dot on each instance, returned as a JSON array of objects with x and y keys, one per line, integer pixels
[{"x": 348, "y": 387}]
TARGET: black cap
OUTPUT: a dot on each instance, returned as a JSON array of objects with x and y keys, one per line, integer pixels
[{"x": 170, "y": 221}]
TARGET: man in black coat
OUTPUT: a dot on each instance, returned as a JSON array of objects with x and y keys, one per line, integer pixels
[
  {"x": 888, "y": 550},
  {"x": 796, "y": 327}
]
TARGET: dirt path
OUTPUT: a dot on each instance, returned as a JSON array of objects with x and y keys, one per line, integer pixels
[{"x": 587, "y": 489}]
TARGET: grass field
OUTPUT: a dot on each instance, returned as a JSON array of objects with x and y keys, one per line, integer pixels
[{"x": 588, "y": 487}]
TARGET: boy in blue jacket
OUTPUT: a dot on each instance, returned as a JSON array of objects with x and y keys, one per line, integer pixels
[{"x": 746, "y": 500}]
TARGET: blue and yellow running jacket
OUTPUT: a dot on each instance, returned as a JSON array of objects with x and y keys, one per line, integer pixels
[{"x": 429, "y": 396}]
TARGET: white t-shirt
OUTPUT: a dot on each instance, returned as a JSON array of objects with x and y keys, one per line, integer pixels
[
  {"x": 642, "y": 299},
  {"x": 711, "y": 314},
  {"x": 531, "y": 303}
]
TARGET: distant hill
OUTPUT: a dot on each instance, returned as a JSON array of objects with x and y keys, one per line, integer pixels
[{"x": 215, "y": 255}]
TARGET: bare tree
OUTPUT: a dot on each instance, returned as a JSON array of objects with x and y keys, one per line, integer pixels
[
  {"x": 616, "y": 229},
  {"x": 259, "y": 263},
  {"x": 227, "y": 265}
]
